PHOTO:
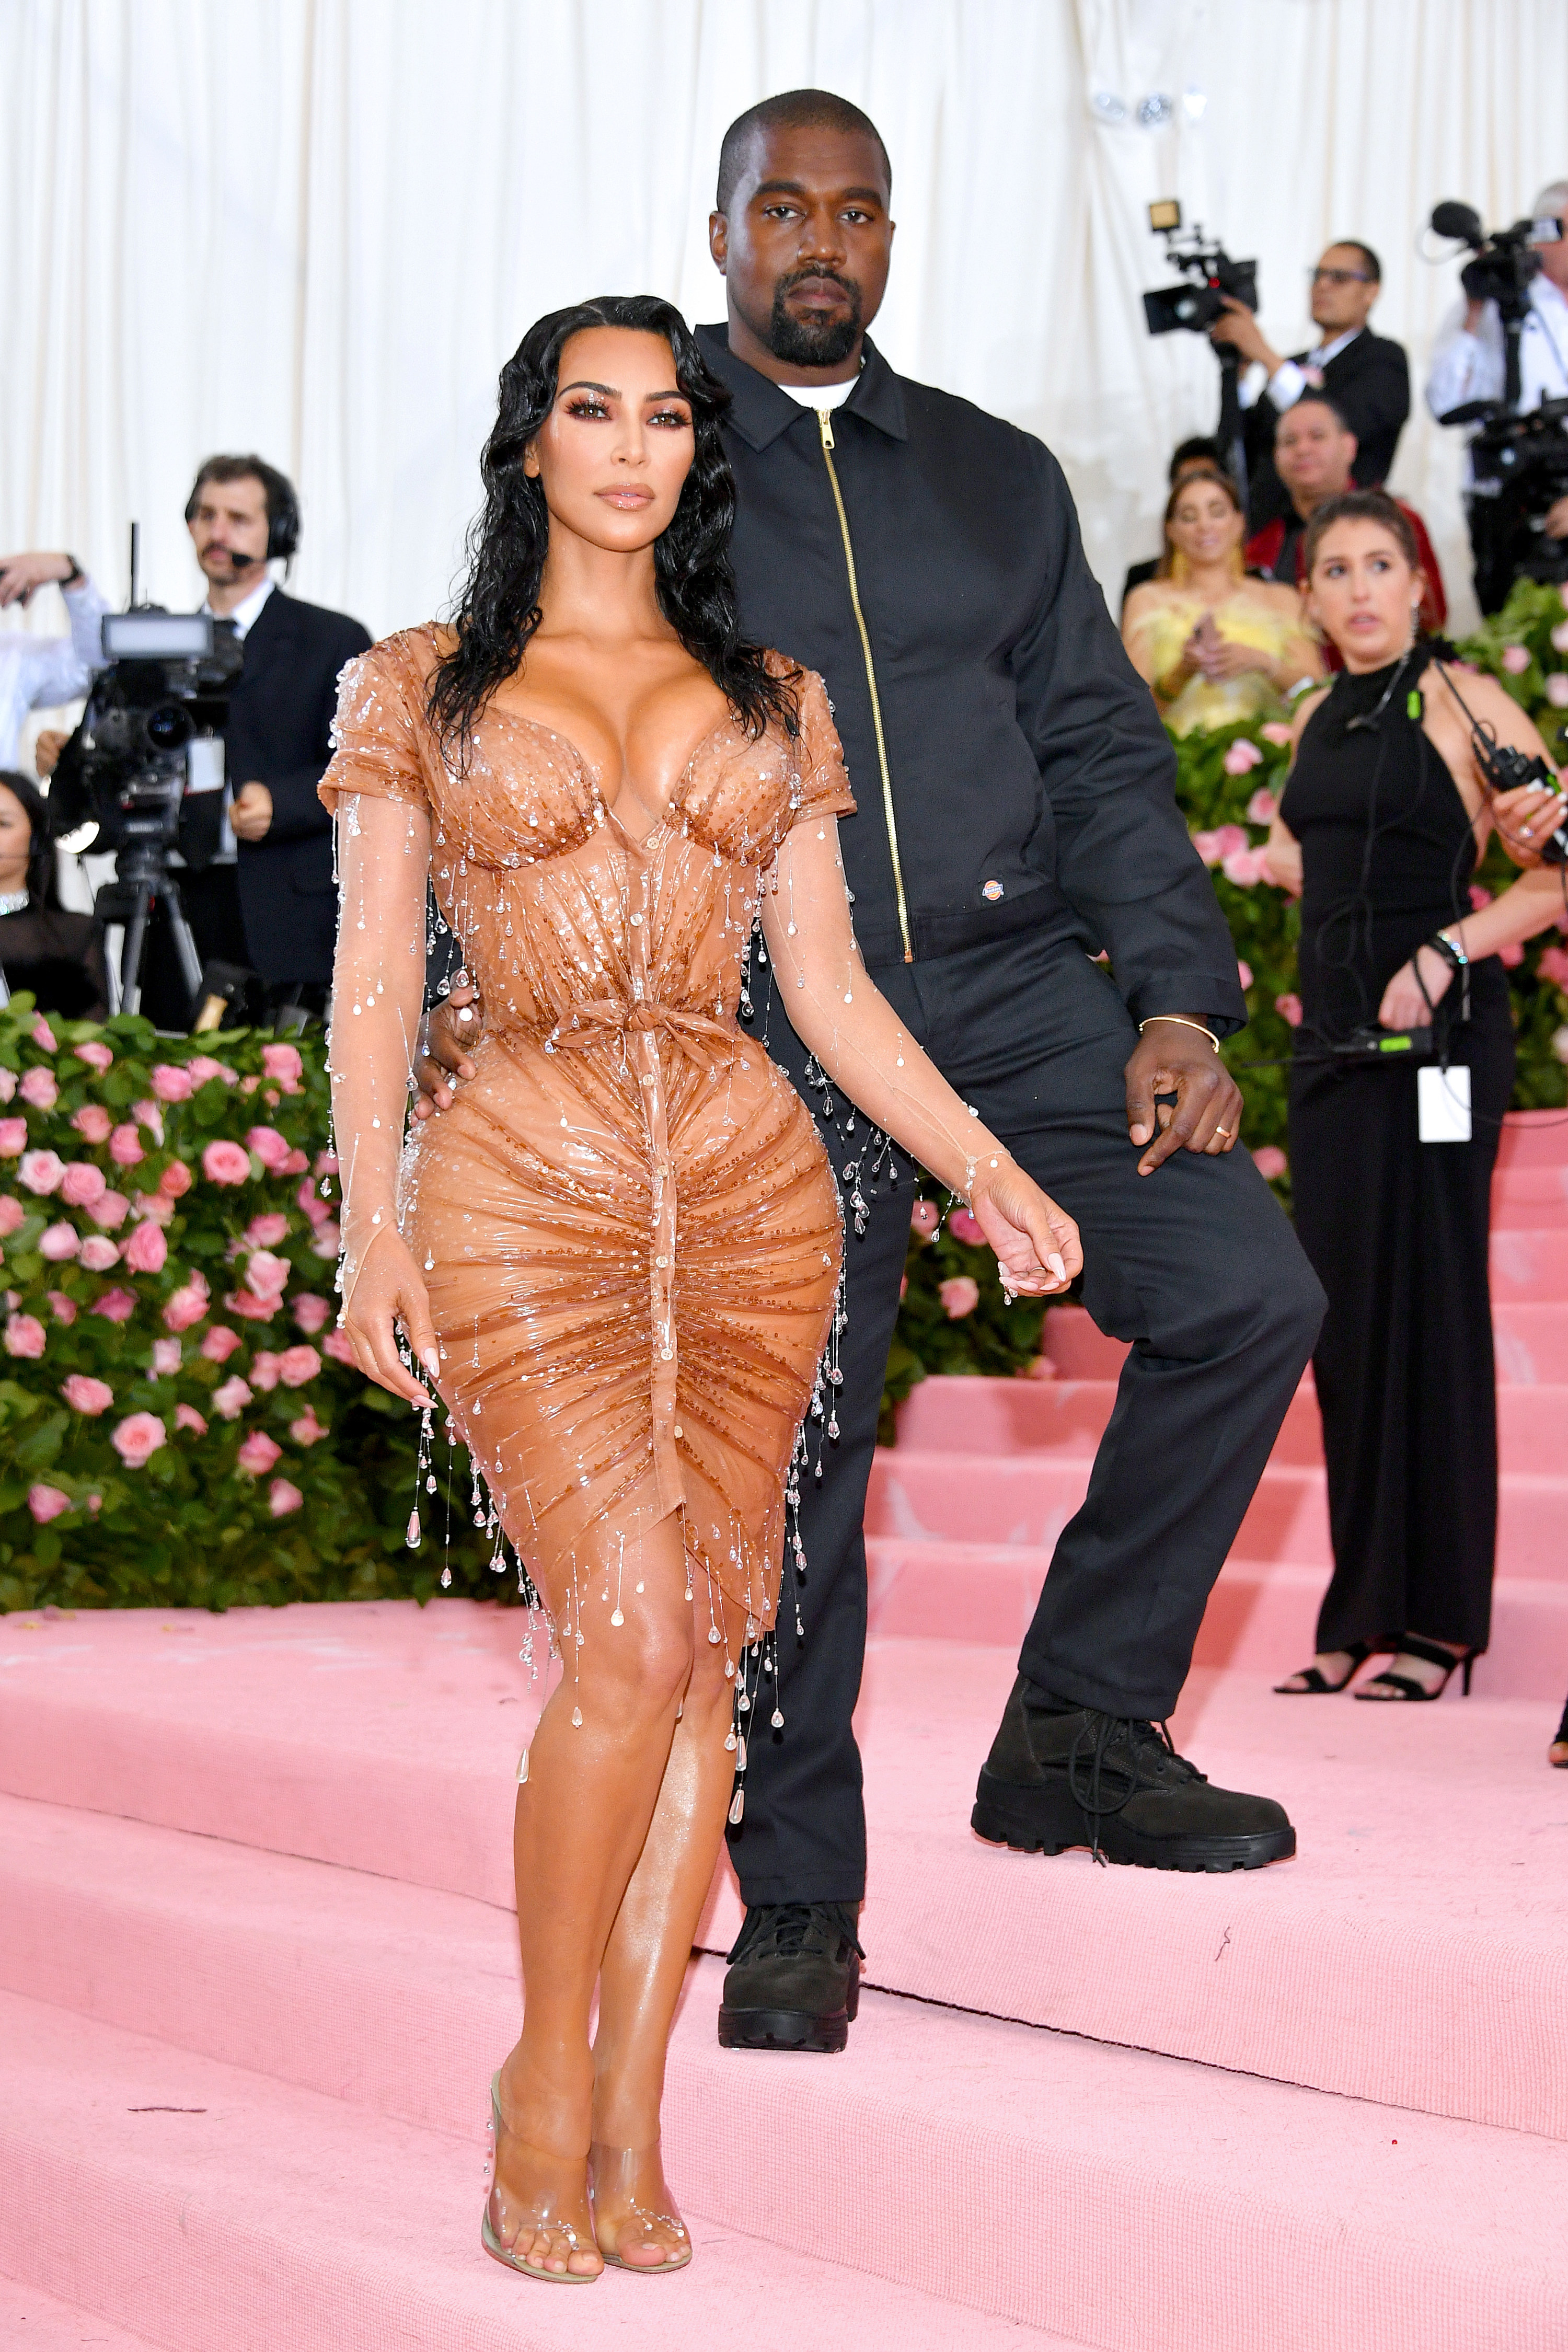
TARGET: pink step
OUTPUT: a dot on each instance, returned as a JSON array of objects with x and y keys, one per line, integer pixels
[
  {"x": 1533, "y": 1139},
  {"x": 31, "y": 2320},
  {"x": 1412, "y": 1954},
  {"x": 1529, "y": 1264},
  {"x": 1531, "y": 1336},
  {"x": 260, "y": 2215}
]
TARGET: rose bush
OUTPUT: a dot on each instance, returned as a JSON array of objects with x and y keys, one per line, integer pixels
[{"x": 176, "y": 1424}]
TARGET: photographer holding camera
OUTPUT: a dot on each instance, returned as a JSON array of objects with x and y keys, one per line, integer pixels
[
  {"x": 1513, "y": 279},
  {"x": 254, "y": 841}
]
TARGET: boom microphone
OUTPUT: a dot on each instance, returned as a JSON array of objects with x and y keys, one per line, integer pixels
[
  {"x": 243, "y": 563},
  {"x": 1461, "y": 222}
]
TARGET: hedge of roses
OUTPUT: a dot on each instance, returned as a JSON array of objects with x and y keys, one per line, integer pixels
[
  {"x": 179, "y": 1421},
  {"x": 954, "y": 1318}
]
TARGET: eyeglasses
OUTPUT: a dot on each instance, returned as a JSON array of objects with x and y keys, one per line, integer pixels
[{"x": 1341, "y": 277}]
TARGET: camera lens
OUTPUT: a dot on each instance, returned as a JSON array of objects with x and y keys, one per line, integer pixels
[{"x": 169, "y": 726}]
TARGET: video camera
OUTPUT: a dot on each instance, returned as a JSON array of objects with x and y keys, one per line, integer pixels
[
  {"x": 1211, "y": 274},
  {"x": 1504, "y": 262}
]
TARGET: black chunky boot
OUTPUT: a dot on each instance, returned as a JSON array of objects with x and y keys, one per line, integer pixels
[
  {"x": 794, "y": 1980},
  {"x": 1073, "y": 1777}
]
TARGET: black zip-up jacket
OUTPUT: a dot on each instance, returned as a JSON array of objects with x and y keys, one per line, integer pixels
[{"x": 1031, "y": 781}]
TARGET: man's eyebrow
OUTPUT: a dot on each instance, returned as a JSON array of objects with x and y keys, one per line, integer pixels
[{"x": 798, "y": 188}]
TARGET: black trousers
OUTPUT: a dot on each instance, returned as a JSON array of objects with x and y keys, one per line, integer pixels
[
  {"x": 1196, "y": 1265},
  {"x": 211, "y": 900}
]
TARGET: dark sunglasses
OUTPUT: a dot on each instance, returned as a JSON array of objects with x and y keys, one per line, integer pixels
[{"x": 1342, "y": 277}]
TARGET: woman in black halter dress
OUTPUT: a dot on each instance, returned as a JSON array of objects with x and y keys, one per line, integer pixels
[{"x": 1397, "y": 1230}]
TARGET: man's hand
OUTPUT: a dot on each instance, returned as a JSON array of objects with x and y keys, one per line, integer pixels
[
  {"x": 51, "y": 741},
  {"x": 1240, "y": 330},
  {"x": 1172, "y": 1059},
  {"x": 252, "y": 811},
  {"x": 454, "y": 1024},
  {"x": 1525, "y": 818},
  {"x": 1555, "y": 522},
  {"x": 20, "y": 574}
]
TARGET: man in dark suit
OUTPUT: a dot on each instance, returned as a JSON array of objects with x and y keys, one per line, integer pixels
[
  {"x": 1365, "y": 375},
  {"x": 254, "y": 841}
]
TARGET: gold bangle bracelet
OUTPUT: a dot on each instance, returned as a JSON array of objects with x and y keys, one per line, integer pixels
[{"x": 1182, "y": 1023}]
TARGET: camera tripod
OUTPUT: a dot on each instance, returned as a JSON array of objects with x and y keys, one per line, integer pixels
[{"x": 142, "y": 880}]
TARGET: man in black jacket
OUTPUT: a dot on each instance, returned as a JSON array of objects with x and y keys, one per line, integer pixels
[
  {"x": 1017, "y": 814},
  {"x": 258, "y": 845},
  {"x": 1366, "y": 376}
]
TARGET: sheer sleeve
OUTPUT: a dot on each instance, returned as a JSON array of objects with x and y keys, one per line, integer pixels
[
  {"x": 824, "y": 783},
  {"x": 380, "y": 729}
]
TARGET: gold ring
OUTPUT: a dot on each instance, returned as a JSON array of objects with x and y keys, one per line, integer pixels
[{"x": 1221, "y": 1131}]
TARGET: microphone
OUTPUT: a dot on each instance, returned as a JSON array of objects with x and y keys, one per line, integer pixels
[
  {"x": 1460, "y": 221},
  {"x": 243, "y": 563}
]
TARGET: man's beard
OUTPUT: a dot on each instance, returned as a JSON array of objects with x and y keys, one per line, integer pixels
[{"x": 801, "y": 343}]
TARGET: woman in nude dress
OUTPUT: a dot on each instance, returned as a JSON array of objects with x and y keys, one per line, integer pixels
[{"x": 617, "y": 1257}]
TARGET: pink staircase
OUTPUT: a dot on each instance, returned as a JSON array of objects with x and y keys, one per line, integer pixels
[{"x": 257, "y": 1963}]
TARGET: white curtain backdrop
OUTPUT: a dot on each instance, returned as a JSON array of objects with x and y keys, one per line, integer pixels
[{"x": 315, "y": 227}]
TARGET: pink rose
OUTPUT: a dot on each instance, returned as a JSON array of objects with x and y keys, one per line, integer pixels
[
  {"x": 171, "y": 1084},
  {"x": 266, "y": 1232},
  {"x": 307, "y": 1429},
  {"x": 283, "y": 1497},
  {"x": 249, "y": 1309},
  {"x": 116, "y": 1306},
  {"x": 232, "y": 1398},
  {"x": 326, "y": 1164},
  {"x": 264, "y": 1369},
  {"x": 111, "y": 1211},
  {"x": 11, "y": 1213},
  {"x": 328, "y": 1241},
  {"x": 24, "y": 1336},
  {"x": 40, "y": 1171},
  {"x": 96, "y": 1055},
  {"x": 138, "y": 1438},
  {"x": 1269, "y": 1160},
  {"x": 283, "y": 1063},
  {"x": 62, "y": 1309},
  {"x": 296, "y": 1163},
  {"x": 84, "y": 1394},
  {"x": 202, "y": 1067},
  {"x": 187, "y": 1305},
  {"x": 125, "y": 1147},
  {"x": 258, "y": 1452},
  {"x": 1241, "y": 756},
  {"x": 92, "y": 1123},
  {"x": 959, "y": 1295},
  {"x": 39, "y": 1088},
  {"x": 1038, "y": 1368},
  {"x": 312, "y": 1311},
  {"x": 153, "y": 1206},
  {"x": 166, "y": 1354},
  {"x": 924, "y": 1219},
  {"x": 187, "y": 1417},
  {"x": 1516, "y": 660},
  {"x": 1511, "y": 957},
  {"x": 965, "y": 1228},
  {"x": 12, "y": 1137},
  {"x": 1223, "y": 842},
  {"x": 1276, "y": 732},
  {"x": 248, "y": 1086},
  {"x": 1559, "y": 1043},
  {"x": 56, "y": 1242},
  {"x": 1557, "y": 689},
  {"x": 8, "y": 1084},
  {"x": 311, "y": 1201},
  {"x": 175, "y": 1181},
  {"x": 44, "y": 1036},
  {"x": 83, "y": 1185},
  {"x": 1560, "y": 633},
  {"x": 47, "y": 1503},
  {"x": 1288, "y": 1008},
  {"x": 297, "y": 1365},
  {"x": 1244, "y": 867},
  {"x": 146, "y": 1249},
  {"x": 149, "y": 1115},
  {"x": 1553, "y": 966},
  {"x": 220, "y": 1344},
  {"x": 270, "y": 1148},
  {"x": 1262, "y": 808},
  {"x": 1243, "y": 971},
  {"x": 226, "y": 1163},
  {"x": 98, "y": 1254},
  {"x": 340, "y": 1347}
]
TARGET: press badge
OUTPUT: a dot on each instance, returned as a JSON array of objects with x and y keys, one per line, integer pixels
[
  {"x": 203, "y": 764},
  {"x": 1443, "y": 1104}
]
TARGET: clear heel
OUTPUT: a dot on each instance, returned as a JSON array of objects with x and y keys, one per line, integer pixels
[
  {"x": 629, "y": 2182},
  {"x": 551, "y": 2213}
]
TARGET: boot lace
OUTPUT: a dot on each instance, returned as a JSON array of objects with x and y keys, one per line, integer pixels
[
  {"x": 1091, "y": 1758},
  {"x": 785, "y": 1930}
]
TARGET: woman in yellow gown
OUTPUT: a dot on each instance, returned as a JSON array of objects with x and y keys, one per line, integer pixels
[{"x": 1215, "y": 645}]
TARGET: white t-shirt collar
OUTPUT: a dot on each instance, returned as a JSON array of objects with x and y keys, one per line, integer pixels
[{"x": 821, "y": 395}]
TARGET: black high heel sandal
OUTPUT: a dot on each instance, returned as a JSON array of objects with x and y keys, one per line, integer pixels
[
  {"x": 1313, "y": 1683},
  {"x": 1407, "y": 1688},
  {"x": 1557, "y": 1754}
]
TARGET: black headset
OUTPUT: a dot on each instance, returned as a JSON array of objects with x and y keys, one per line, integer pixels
[{"x": 282, "y": 504}]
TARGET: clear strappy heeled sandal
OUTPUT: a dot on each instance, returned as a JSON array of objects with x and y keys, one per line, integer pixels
[
  {"x": 629, "y": 2178},
  {"x": 541, "y": 2216}
]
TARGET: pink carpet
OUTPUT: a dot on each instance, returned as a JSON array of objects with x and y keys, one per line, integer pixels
[{"x": 257, "y": 1963}]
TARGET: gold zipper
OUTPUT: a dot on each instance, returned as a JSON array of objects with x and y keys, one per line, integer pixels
[{"x": 825, "y": 418}]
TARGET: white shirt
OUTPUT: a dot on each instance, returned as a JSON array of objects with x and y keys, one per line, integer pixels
[
  {"x": 821, "y": 395},
  {"x": 244, "y": 615},
  {"x": 1471, "y": 367},
  {"x": 206, "y": 768},
  {"x": 1291, "y": 378},
  {"x": 36, "y": 673}
]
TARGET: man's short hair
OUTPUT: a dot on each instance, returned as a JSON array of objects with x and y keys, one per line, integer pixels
[
  {"x": 792, "y": 109},
  {"x": 281, "y": 503},
  {"x": 1203, "y": 449},
  {"x": 1551, "y": 204},
  {"x": 1310, "y": 399},
  {"x": 1369, "y": 261}
]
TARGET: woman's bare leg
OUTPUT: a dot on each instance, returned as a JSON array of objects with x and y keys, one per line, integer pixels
[
  {"x": 583, "y": 1818},
  {"x": 646, "y": 1961}
]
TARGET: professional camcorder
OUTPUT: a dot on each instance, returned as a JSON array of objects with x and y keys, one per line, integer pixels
[
  {"x": 1504, "y": 262},
  {"x": 1209, "y": 270}
]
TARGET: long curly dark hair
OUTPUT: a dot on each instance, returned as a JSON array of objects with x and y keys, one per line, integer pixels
[{"x": 507, "y": 543}]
